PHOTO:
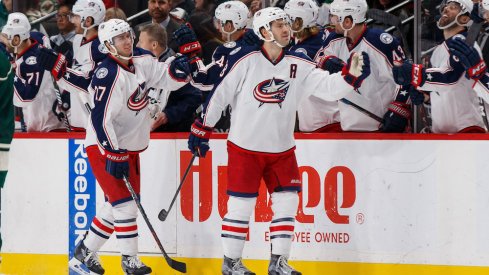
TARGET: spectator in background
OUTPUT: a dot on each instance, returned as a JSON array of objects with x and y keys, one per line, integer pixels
[
  {"x": 207, "y": 34},
  {"x": 159, "y": 10},
  {"x": 63, "y": 41},
  {"x": 4, "y": 11},
  {"x": 207, "y": 6},
  {"x": 115, "y": 12},
  {"x": 178, "y": 114}
]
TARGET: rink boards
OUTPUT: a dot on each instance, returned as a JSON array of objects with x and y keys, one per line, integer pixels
[{"x": 371, "y": 204}]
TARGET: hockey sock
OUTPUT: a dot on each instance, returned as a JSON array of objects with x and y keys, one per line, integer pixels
[
  {"x": 126, "y": 228},
  {"x": 235, "y": 225},
  {"x": 101, "y": 228},
  {"x": 284, "y": 207}
]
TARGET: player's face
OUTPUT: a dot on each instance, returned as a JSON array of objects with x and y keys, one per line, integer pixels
[
  {"x": 334, "y": 20},
  {"x": 123, "y": 44},
  {"x": 297, "y": 24},
  {"x": 15, "y": 41},
  {"x": 159, "y": 9},
  {"x": 281, "y": 31},
  {"x": 448, "y": 13}
]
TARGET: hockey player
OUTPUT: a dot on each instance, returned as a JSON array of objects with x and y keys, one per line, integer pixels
[
  {"x": 263, "y": 87},
  {"x": 453, "y": 107},
  {"x": 87, "y": 53},
  {"x": 379, "y": 94},
  {"x": 33, "y": 86},
  {"x": 314, "y": 115},
  {"x": 118, "y": 131}
]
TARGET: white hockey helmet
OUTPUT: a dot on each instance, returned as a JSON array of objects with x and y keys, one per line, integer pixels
[
  {"x": 17, "y": 24},
  {"x": 357, "y": 9},
  {"x": 307, "y": 10},
  {"x": 466, "y": 7},
  {"x": 235, "y": 11},
  {"x": 264, "y": 18},
  {"x": 110, "y": 29},
  {"x": 485, "y": 4},
  {"x": 484, "y": 9},
  {"x": 89, "y": 8}
]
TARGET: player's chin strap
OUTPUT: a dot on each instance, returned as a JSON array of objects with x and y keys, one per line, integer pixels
[
  {"x": 85, "y": 29},
  {"x": 116, "y": 54},
  {"x": 345, "y": 31},
  {"x": 228, "y": 34},
  {"x": 455, "y": 21},
  {"x": 272, "y": 39}
]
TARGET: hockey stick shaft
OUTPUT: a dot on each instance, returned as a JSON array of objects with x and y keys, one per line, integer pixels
[
  {"x": 164, "y": 213},
  {"x": 179, "y": 266},
  {"x": 363, "y": 110}
]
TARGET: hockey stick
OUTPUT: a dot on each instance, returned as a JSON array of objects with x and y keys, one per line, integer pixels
[
  {"x": 363, "y": 110},
  {"x": 391, "y": 20},
  {"x": 164, "y": 213},
  {"x": 176, "y": 265}
]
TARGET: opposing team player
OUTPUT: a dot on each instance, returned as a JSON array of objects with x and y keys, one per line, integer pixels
[
  {"x": 263, "y": 87},
  {"x": 314, "y": 114},
  {"x": 379, "y": 94},
  {"x": 87, "y": 53},
  {"x": 118, "y": 131},
  {"x": 454, "y": 108},
  {"x": 33, "y": 86}
]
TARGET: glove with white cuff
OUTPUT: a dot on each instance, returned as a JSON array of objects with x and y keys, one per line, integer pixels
[{"x": 356, "y": 69}]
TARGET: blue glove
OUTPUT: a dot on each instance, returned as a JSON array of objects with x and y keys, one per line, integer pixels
[
  {"x": 180, "y": 67},
  {"x": 417, "y": 97},
  {"x": 469, "y": 58},
  {"x": 251, "y": 39},
  {"x": 117, "y": 163},
  {"x": 396, "y": 118},
  {"x": 187, "y": 40},
  {"x": 409, "y": 74},
  {"x": 52, "y": 61},
  {"x": 331, "y": 63},
  {"x": 353, "y": 73},
  {"x": 198, "y": 141}
]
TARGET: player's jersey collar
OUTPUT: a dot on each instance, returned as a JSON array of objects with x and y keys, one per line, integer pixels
[
  {"x": 85, "y": 40},
  {"x": 267, "y": 56},
  {"x": 129, "y": 67},
  {"x": 352, "y": 45},
  {"x": 33, "y": 44}
]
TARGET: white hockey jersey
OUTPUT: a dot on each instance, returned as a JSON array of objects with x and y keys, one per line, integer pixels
[
  {"x": 378, "y": 89},
  {"x": 86, "y": 55},
  {"x": 264, "y": 96},
  {"x": 454, "y": 106},
  {"x": 34, "y": 92},
  {"x": 120, "y": 118}
]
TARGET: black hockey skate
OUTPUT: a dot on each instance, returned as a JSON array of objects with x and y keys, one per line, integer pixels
[
  {"x": 280, "y": 266},
  {"x": 84, "y": 256},
  {"x": 234, "y": 267},
  {"x": 132, "y": 265}
]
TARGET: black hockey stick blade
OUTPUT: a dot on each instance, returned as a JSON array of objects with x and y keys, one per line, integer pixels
[
  {"x": 162, "y": 215},
  {"x": 176, "y": 265}
]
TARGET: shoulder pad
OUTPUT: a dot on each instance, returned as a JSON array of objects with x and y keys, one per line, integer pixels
[{"x": 381, "y": 39}]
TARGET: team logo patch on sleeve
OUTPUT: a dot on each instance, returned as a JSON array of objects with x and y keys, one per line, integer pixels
[
  {"x": 271, "y": 91},
  {"x": 386, "y": 38},
  {"x": 31, "y": 60},
  {"x": 301, "y": 50},
  {"x": 102, "y": 48},
  {"x": 102, "y": 72}
]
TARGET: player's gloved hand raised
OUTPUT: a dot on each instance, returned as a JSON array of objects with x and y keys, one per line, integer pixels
[
  {"x": 396, "y": 118},
  {"x": 180, "y": 67},
  {"x": 331, "y": 63},
  {"x": 117, "y": 163},
  {"x": 417, "y": 97},
  {"x": 198, "y": 141},
  {"x": 251, "y": 39},
  {"x": 469, "y": 58},
  {"x": 357, "y": 68},
  {"x": 187, "y": 40},
  {"x": 475, "y": 15},
  {"x": 409, "y": 74},
  {"x": 53, "y": 62}
]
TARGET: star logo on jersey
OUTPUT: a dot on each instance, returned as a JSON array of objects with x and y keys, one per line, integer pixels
[
  {"x": 271, "y": 91},
  {"x": 139, "y": 98},
  {"x": 429, "y": 77}
]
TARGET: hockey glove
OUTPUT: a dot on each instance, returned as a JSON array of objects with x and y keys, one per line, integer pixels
[
  {"x": 53, "y": 62},
  {"x": 180, "y": 68},
  {"x": 331, "y": 63},
  {"x": 396, "y": 118},
  {"x": 469, "y": 58},
  {"x": 409, "y": 74},
  {"x": 251, "y": 39},
  {"x": 117, "y": 163},
  {"x": 198, "y": 141},
  {"x": 356, "y": 69},
  {"x": 417, "y": 97},
  {"x": 187, "y": 40},
  {"x": 475, "y": 15}
]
